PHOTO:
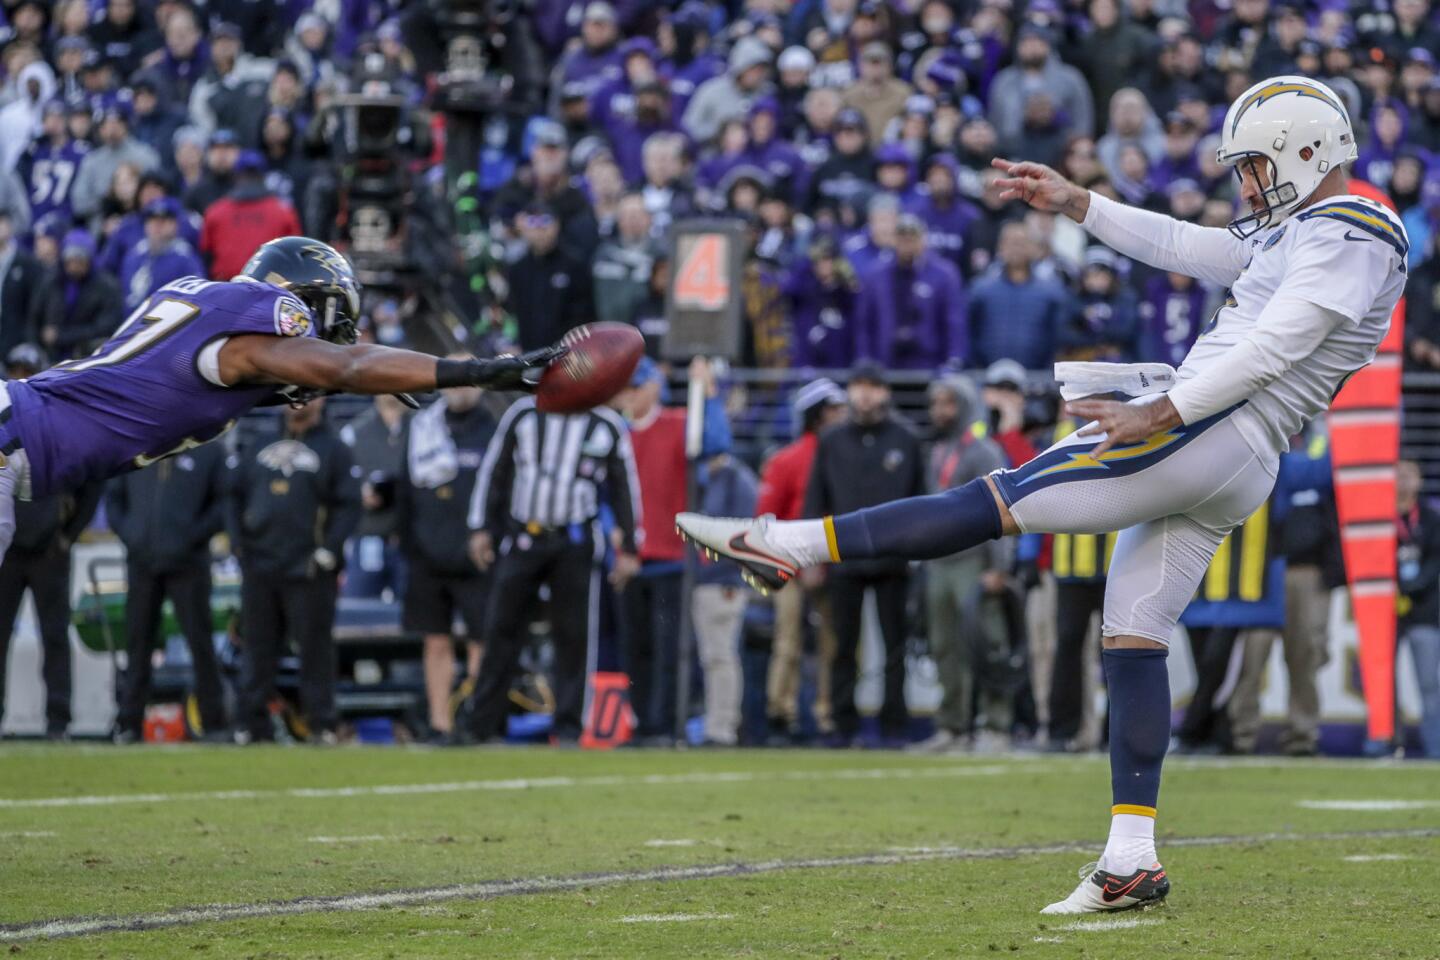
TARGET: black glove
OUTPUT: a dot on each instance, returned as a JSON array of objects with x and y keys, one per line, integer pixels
[{"x": 500, "y": 373}]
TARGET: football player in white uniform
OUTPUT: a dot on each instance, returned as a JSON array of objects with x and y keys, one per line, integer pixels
[{"x": 1313, "y": 274}]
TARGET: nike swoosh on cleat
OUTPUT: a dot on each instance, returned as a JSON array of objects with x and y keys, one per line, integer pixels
[
  {"x": 738, "y": 545},
  {"x": 1110, "y": 894},
  {"x": 1351, "y": 236}
]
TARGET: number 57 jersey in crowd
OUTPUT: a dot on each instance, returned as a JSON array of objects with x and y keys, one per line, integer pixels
[{"x": 152, "y": 390}]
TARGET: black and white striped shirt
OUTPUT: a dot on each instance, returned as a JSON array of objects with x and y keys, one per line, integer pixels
[{"x": 554, "y": 470}]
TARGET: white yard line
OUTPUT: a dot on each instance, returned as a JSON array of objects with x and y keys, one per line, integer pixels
[
  {"x": 363, "y": 838},
  {"x": 1376, "y": 857},
  {"x": 518, "y": 783},
  {"x": 674, "y": 917},
  {"x": 1108, "y": 923},
  {"x": 1368, "y": 806},
  {"x": 190, "y": 916},
  {"x": 671, "y": 843}
]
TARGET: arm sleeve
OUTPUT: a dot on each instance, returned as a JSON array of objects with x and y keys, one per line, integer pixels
[
  {"x": 492, "y": 483},
  {"x": 1309, "y": 305},
  {"x": 624, "y": 483},
  {"x": 1165, "y": 243},
  {"x": 715, "y": 435}
]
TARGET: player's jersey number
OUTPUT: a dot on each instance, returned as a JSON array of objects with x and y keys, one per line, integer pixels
[{"x": 159, "y": 320}]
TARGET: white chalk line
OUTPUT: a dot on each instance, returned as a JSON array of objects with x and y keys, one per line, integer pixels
[
  {"x": 362, "y": 838},
  {"x": 671, "y": 843},
  {"x": 517, "y": 783},
  {"x": 218, "y": 913},
  {"x": 1368, "y": 806},
  {"x": 1111, "y": 923},
  {"x": 27, "y": 834},
  {"x": 1376, "y": 857},
  {"x": 674, "y": 917}
]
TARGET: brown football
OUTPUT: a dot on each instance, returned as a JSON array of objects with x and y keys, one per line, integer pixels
[{"x": 602, "y": 358}]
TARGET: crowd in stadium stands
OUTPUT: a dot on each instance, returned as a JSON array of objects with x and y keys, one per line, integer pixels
[{"x": 145, "y": 140}]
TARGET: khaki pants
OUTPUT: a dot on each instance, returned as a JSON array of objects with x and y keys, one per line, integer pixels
[
  {"x": 718, "y": 612},
  {"x": 1040, "y": 621},
  {"x": 1307, "y": 628},
  {"x": 957, "y": 644},
  {"x": 782, "y": 681}
]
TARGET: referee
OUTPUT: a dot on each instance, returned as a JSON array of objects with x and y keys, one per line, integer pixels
[{"x": 534, "y": 517}]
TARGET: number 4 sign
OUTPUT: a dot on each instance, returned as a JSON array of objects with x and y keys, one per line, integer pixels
[{"x": 703, "y": 280}]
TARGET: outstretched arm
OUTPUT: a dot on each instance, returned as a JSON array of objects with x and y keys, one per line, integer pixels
[
  {"x": 366, "y": 368},
  {"x": 1208, "y": 253}
]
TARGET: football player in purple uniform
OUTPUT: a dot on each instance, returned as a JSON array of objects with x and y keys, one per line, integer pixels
[{"x": 197, "y": 354}]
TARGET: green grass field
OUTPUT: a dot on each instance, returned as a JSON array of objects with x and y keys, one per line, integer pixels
[{"x": 371, "y": 852}]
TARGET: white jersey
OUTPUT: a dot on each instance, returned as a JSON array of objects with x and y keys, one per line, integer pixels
[{"x": 1345, "y": 256}]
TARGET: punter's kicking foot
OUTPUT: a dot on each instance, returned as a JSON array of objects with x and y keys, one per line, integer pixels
[
  {"x": 766, "y": 561},
  {"x": 1101, "y": 891}
]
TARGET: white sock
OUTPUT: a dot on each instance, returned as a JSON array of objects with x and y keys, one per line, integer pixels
[
  {"x": 805, "y": 540},
  {"x": 1131, "y": 845}
]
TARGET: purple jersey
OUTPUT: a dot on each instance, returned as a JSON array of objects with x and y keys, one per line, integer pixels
[
  {"x": 1170, "y": 320},
  {"x": 141, "y": 396},
  {"x": 49, "y": 174}
]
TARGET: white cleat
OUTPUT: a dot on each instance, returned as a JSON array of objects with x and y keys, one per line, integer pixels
[
  {"x": 762, "y": 565},
  {"x": 1103, "y": 892}
]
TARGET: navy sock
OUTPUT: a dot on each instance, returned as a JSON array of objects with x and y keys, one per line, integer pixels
[
  {"x": 1139, "y": 687},
  {"x": 920, "y": 528}
]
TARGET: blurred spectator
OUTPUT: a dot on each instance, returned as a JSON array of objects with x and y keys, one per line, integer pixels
[
  {"x": 445, "y": 444},
  {"x": 595, "y": 60},
  {"x": 846, "y": 172},
  {"x": 1418, "y": 527},
  {"x": 233, "y": 89},
  {"x": 122, "y": 36},
  {"x": 871, "y": 247},
  {"x": 1422, "y": 309},
  {"x": 910, "y": 313},
  {"x": 623, "y": 265},
  {"x": 130, "y": 229},
  {"x": 816, "y": 406},
  {"x": 296, "y": 501},
  {"x": 116, "y": 147},
  {"x": 181, "y": 60},
  {"x": 555, "y": 542},
  {"x": 159, "y": 258},
  {"x": 1037, "y": 68},
  {"x": 652, "y": 598},
  {"x": 1013, "y": 313},
  {"x": 249, "y": 215},
  {"x": 873, "y": 457},
  {"x": 222, "y": 153},
  {"x": 821, "y": 290},
  {"x": 376, "y": 439},
  {"x": 1170, "y": 317},
  {"x": 728, "y": 96},
  {"x": 309, "y": 49},
  {"x": 1303, "y": 519},
  {"x": 85, "y": 304},
  {"x": 667, "y": 195},
  {"x": 1104, "y": 325},
  {"x": 878, "y": 94},
  {"x": 1004, "y": 396},
  {"x": 187, "y": 161},
  {"x": 1114, "y": 52},
  {"x": 22, "y": 291},
  {"x": 154, "y": 122},
  {"x": 948, "y": 217},
  {"x": 49, "y": 166},
  {"x": 718, "y": 601},
  {"x": 960, "y": 642},
  {"x": 1132, "y": 124},
  {"x": 20, "y": 119},
  {"x": 165, "y": 515},
  {"x": 549, "y": 287},
  {"x": 39, "y": 561},
  {"x": 548, "y": 181}
]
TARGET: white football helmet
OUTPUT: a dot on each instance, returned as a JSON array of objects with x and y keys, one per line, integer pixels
[{"x": 1301, "y": 128}]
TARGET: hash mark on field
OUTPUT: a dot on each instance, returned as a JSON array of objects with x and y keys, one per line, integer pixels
[
  {"x": 1368, "y": 806},
  {"x": 28, "y": 834},
  {"x": 1116, "y": 923},
  {"x": 364, "y": 838},
  {"x": 1376, "y": 857},
  {"x": 671, "y": 843},
  {"x": 674, "y": 917},
  {"x": 190, "y": 916},
  {"x": 520, "y": 783}
]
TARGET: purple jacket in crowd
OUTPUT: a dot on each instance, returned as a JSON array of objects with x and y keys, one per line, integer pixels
[
  {"x": 1170, "y": 319},
  {"x": 911, "y": 318},
  {"x": 946, "y": 227},
  {"x": 820, "y": 317}
]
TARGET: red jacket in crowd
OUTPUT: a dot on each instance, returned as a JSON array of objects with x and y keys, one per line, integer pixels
[
  {"x": 235, "y": 226},
  {"x": 660, "y": 460},
  {"x": 785, "y": 477}
]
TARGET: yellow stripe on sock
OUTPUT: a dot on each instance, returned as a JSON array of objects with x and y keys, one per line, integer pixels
[
  {"x": 1132, "y": 808},
  {"x": 830, "y": 540}
]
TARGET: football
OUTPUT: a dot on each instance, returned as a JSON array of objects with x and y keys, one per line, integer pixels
[{"x": 601, "y": 360}]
